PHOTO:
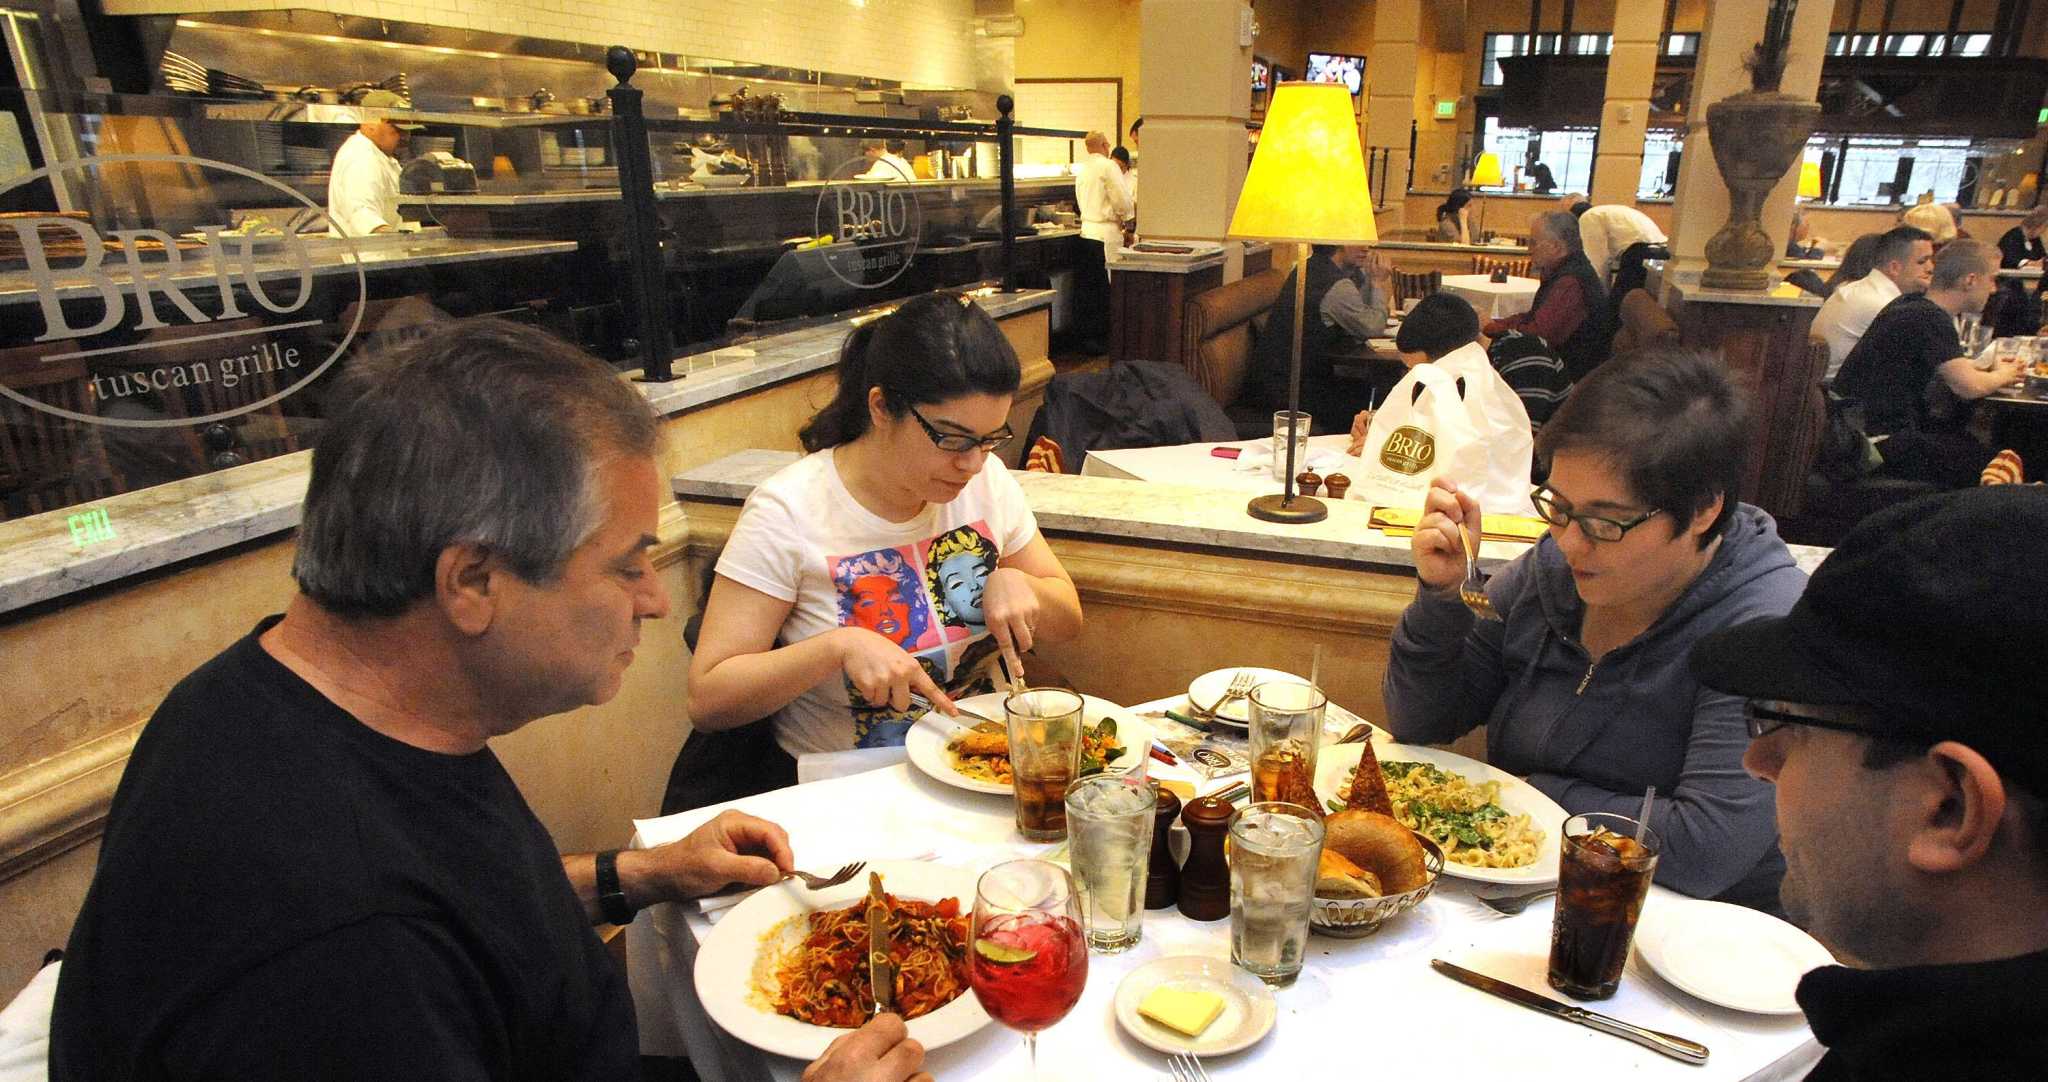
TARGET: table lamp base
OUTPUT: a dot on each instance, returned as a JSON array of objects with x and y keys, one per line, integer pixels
[{"x": 1298, "y": 510}]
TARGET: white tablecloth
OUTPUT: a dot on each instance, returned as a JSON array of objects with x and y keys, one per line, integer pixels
[
  {"x": 1193, "y": 464},
  {"x": 1491, "y": 299},
  {"x": 1375, "y": 997}
]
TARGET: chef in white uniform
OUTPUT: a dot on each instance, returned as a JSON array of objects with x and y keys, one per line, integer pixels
[
  {"x": 362, "y": 186},
  {"x": 1104, "y": 201},
  {"x": 886, "y": 161}
]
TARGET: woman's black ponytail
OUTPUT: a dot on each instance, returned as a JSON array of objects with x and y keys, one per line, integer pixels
[
  {"x": 845, "y": 418},
  {"x": 933, "y": 348}
]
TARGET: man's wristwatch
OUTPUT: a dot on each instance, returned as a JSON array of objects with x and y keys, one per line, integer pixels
[{"x": 611, "y": 898}]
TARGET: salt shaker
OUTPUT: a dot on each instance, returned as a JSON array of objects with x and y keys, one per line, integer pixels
[
  {"x": 1205, "y": 878},
  {"x": 1337, "y": 484},
  {"x": 1308, "y": 481},
  {"x": 1162, "y": 876}
]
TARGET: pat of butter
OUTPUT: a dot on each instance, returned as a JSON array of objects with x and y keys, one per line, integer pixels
[{"x": 1186, "y": 1010}]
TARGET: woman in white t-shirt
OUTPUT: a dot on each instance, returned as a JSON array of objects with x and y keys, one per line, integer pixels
[{"x": 897, "y": 557}]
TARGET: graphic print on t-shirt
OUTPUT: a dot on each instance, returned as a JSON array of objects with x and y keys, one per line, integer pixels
[{"x": 924, "y": 597}]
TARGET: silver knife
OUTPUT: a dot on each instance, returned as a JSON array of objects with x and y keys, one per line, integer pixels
[
  {"x": 881, "y": 975},
  {"x": 1677, "y": 1048}
]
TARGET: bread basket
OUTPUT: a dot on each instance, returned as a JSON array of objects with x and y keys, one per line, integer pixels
[{"x": 1353, "y": 918}]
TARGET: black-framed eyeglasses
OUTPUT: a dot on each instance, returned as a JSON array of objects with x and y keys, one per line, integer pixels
[
  {"x": 1764, "y": 717},
  {"x": 956, "y": 442},
  {"x": 1597, "y": 527}
]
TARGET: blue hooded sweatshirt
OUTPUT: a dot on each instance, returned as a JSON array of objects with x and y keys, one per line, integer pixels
[{"x": 1592, "y": 736}]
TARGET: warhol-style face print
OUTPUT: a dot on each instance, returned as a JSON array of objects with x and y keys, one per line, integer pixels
[
  {"x": 879, "y": 606},
  {"x": 961, "y": 578}
]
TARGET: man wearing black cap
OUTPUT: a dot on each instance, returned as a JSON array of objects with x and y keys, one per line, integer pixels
[{"x": 1897, "y": 708}]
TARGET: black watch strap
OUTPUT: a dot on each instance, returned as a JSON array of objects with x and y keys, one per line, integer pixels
[{"x": 611, "y": 898}]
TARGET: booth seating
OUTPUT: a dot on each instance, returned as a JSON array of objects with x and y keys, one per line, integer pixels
[
  {"x": 1221, "y": 324},
  {"x": 1643, "y": 322}
]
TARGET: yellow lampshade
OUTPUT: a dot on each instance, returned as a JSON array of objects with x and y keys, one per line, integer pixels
[
  {"x": 1486, "y": 171},
  {"x": 1809, "y": 180},
  {"x": 1307, "y": 181}
]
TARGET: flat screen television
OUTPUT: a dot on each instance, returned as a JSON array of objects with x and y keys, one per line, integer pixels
[
  {"x": 1345, "y": 68},
  {"x": 1262, "y": 74}
]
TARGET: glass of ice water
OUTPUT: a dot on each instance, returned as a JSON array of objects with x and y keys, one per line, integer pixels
[
  {"x": 1273, "y": 853},
  {"x": 1285, "y": 423},
  {"x": 1109, "y": 832}
]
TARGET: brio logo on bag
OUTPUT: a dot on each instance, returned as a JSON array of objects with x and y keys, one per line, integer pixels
[{"x": 1409, "y": 450}]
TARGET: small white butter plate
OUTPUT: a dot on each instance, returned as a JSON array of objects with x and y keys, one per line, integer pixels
[{"x": 1248, "y": 1007}]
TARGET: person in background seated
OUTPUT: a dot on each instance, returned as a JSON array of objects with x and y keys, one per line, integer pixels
[
  {"x": 1859, "y": 259},
  {"x": 1616, "y": 240},
  {"x": 1934, "y": 220},
  {"x": 315, "y": 866},
  {"x": 1903, "y": 264},
  {"x": 1443, "y": 330},
  {"x": 1912, "y": 787},
  {"x": 1582, "y": 685},
  {"x": 1453, "y": 222},
  {"x": 1570, "y": 309},
  {"x": 825, "y": 616},
  {"x": 2018, "y": 314},
  {"x": 1917, "y": 386},
  {"x": 1800, "y": 243},
  {"x": 2021, "y": 245},
  {"x": 1542, "y": 180},
  {"x": 1348, "y": 289}
]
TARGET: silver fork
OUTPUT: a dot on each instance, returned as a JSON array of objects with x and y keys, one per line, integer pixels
[
  {"x": 820, "y": 882},
  {"x": 1187, "y": 1067},
  {"x": 1240, "y": 686},
  {"x": 1473, "y": 590},
  {"x": 1510, "y": 904}
]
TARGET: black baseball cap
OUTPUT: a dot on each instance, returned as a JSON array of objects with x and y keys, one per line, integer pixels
[{"x": 1931, "y": 615}]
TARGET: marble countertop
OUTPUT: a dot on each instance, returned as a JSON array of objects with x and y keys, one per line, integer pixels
[
  {"x": 661, "y": 191},
  {"x": 153, "y": 527},
  {"x": 326, "y": 256},
  {"x": 709, "y": 377},
  {"x": 1114, "y": 509},
  {"x": 1782, "y": 295},
  {"x": 1444, "y": 246},
  {"x": 1168, "y": 262}
]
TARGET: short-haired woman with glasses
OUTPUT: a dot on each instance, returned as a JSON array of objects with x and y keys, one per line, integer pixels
[
  {"x": 1583, "y": 684},
  {"x": 822, "y": 614}
]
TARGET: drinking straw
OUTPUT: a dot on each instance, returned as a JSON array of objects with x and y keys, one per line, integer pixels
[
  {"x": 1643, "y": 820},
  {"x": 1315, "y": 668}
]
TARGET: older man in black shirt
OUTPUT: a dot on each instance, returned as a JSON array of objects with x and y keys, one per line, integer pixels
[
  {"x": 1914, "y": 380},
  {"x": 315, "y": 867}
]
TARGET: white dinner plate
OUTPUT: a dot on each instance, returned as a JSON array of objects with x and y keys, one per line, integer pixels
[
  {"x": 1248, "y": 1007},
  {"x": 926, "y": 741},
  {"x": 1210, "y": 686},
  {"x": 1728, "y": 954},
  {"x": 726, "y": 959},
  {"x": 1335, "y": 764}
]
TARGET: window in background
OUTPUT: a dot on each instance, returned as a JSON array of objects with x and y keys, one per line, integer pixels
[
  {"x": 1660, "y": 147},
  {"x": 1921, "y": 43},
  {"x": 1871, "y": 167},
  {"x": 1494, "y": 46},
  {"x": 1568, "y": 152},
  {"x": 1681, "y": 45}
]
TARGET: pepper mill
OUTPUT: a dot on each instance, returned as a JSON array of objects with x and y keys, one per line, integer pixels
[
  {"x": 1162, "y": 876},
  {"x": 1308, "y": 481},
  {"x": 1337, "y": 484},
  {"x": 1205, "y": 878}
]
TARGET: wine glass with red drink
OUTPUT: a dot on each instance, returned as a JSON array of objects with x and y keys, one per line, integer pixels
[{"x": 1028, "y": 960}]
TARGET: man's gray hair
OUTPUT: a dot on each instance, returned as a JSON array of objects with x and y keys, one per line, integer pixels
[
  {"x": 482, "y": 432},
  {"x": 1958, "y": 259},
  {"x": 1561, "y": 226}
]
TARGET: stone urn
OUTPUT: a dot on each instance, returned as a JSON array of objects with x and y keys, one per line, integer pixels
[{"x": 1757, "y": 136}]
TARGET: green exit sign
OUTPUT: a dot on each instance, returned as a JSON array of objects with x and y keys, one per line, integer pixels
[
  {"x": 1448, "y": 110},
  {"x": 90, "y": 527},
  {"x": 2043, "y": 118}
]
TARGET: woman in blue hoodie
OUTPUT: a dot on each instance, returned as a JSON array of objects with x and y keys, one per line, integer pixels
[{"x": 1583, "y": 687}]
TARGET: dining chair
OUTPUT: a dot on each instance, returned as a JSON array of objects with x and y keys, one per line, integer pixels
[
  {"x": 1415, "y": 286},
  {"x": 1515, "y": 268}
]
